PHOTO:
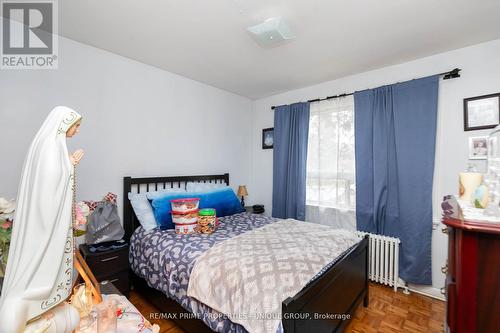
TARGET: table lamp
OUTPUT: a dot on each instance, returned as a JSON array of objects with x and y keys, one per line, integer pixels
[{"x": 242, "y": 192}]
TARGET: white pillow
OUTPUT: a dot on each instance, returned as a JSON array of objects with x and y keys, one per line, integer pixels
[
  {"x": 158, "y": 194},
  {"x": 143, "y": 209},
  {"x": 203, "y": 187}
]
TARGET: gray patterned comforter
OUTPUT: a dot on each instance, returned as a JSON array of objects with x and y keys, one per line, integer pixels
[
  {"x": 250, "y": 275},
  {"x": 165, "y": 260}
]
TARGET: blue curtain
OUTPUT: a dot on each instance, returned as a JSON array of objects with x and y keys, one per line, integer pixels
[
  {"x": 395, "y": 132},
  {"x": 291, "y": 130}
]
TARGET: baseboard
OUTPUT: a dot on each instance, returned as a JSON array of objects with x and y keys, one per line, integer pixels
[{"x": 427, "y": 291}]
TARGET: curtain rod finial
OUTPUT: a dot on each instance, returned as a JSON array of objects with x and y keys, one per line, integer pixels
[{"x": 452, "y": 74}]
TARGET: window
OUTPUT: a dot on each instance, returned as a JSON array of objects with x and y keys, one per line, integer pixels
[{"x": 331, "y": 173}]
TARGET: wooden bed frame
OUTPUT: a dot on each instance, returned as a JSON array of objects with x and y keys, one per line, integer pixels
[{"x": 325, "y": 305}]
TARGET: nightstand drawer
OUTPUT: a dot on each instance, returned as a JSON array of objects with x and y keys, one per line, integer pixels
[
  {"x": 106, "y": 263},
  {"x": 120, "y": 280}
]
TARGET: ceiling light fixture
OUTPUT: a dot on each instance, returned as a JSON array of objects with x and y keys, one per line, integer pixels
[{"x": 271, "y": 32}]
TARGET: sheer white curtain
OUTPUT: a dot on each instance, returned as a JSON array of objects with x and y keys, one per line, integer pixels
[{"x": 331, "y": 176}]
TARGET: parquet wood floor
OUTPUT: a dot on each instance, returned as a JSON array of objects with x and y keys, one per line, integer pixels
[
  {"x": 388, "y": 312},
  {"x": 396, "y": 312}
]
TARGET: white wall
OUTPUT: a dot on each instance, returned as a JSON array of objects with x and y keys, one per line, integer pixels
[
  {"x": 137, "y": 121},
  {"x": 480, "y": 75}
]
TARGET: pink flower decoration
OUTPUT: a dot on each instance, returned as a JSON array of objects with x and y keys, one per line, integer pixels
[
  {"x": 6, "y": 225},
  {"x": 81, "y": 212}
]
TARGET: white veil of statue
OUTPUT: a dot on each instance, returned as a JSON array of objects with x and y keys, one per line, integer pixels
[{"x": 40, "y": 265}]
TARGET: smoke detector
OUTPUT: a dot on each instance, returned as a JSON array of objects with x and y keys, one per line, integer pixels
[{"x": 271, "y": 32}]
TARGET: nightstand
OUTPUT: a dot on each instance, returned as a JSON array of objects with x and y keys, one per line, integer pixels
[{"x": 111, "y": 265}]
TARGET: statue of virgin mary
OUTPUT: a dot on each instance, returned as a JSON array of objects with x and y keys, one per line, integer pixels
[{"x": 40, "y": 265}]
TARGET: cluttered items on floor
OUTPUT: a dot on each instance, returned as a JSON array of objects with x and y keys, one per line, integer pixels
[{"x": 117, "y": 314}]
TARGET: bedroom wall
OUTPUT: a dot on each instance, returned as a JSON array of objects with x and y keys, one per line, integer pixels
[
  {"x": 137, "y": 121},
  {"x": 480, "y": 75}
]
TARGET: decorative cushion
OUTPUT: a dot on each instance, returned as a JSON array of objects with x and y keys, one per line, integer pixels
[
  {"x": 109, "y": 197},
  {"x": 224, "y": 201}
]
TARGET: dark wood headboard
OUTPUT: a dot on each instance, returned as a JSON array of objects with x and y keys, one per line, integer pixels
[{"x": 146, "y": 184}]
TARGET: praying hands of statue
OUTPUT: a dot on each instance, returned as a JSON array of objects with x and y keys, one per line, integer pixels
[{"x": 76, "y": 157}]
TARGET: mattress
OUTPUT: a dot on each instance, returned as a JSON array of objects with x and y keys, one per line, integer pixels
[{"x": 165, "y": 261}]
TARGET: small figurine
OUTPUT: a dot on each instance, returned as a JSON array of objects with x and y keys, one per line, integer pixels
[{"x": 480, "y": 198}]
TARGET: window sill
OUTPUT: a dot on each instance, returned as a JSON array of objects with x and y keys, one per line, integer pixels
[{"x": 343, "y": 209}]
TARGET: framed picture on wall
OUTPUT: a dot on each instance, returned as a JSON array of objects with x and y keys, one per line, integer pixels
[
  {"x": 268, "y": 138},
  {"x": 481, "y": 112},
  {"x": 478, "y": 148}
]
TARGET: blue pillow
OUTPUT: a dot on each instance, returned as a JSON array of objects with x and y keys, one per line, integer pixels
[
  {"x": 224, "y": 201},
  {"x": 162, "y": 208}
]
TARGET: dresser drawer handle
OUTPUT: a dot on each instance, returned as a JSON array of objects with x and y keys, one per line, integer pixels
[
  {"x": 444, "y": 230},
  {"x": 108, "y": 281},
  {"x": 109, "y": 259},
  {"x": 443, "y": 291},
  {"x": 444, "y": 269}
]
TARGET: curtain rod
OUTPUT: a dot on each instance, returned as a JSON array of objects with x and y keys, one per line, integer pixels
[{"x": 454, "y": 73}]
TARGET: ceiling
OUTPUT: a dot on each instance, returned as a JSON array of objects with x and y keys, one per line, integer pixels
[{"x": 207, "y": 40}]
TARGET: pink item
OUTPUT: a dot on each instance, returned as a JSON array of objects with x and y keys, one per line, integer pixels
[
  {"x": 109, "y": 197},
  {"x": 185, "y": 205}
]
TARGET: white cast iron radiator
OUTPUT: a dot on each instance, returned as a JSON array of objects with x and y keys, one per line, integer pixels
[{"x": 383, "y": 259}]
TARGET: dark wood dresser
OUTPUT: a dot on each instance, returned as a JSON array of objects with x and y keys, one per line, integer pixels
[{"x": 472, "y": 274}]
